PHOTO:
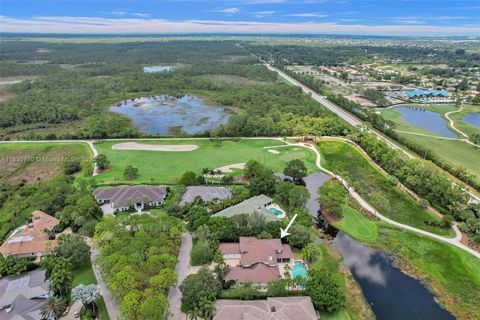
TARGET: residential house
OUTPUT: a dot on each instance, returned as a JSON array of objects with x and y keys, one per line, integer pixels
[
  {"x": 261, "y": 204},
  {"x": 119, "y": 199},
  {"x": 256, "y": 261},
  {"x": 206, "y": 193},
  {"x": 32, "y": 239},
  {"x": 281, "y": 308},
  {"x": 22, "y": 297}
]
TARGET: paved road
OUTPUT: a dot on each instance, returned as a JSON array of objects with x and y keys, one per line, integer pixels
[
  {"x": 453, "y": 241},
  {"x": 183, "y": 269},
  {"x": 112, "y": 308}
]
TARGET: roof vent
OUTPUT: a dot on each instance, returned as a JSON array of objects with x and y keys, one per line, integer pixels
[
  {"x": 273, "y": 309},
  {"x": 270, "y": 258}
]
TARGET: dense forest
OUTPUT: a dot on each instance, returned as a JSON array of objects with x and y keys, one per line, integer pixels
[{"x": 99, "y": 75}]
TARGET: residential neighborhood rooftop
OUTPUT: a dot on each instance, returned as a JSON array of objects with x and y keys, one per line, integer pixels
[
  {"x": 22, "y": 297},
  {"x": 281, "y": 308},
  {"x": 31, "y": 239},
  {"x": 250, "y": 206},
  {"x": 206, "y": 193},
  {"x": 120, "y": 197}
]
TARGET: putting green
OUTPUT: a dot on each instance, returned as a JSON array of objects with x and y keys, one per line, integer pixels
[
  {"x": 168, "y": 167},
  {"x": 357, "y": 226}
]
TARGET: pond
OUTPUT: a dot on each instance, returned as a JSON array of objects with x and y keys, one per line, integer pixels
[
  {"x": 473, "y": 119},
  {"x": 170, "y": 115},
  {"x": 156, "y": 69},
  {"x": 391, "y": 294},
  {"x": 426, "y": 119}
]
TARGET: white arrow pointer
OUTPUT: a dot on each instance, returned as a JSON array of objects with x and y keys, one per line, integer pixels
[{"x": 284, "y": 233}]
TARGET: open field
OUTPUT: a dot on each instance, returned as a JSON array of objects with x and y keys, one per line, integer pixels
[
  {"x": 357, "y": 226},
  {"x": 33, "y": 162},
  {"x": 452, "y": 274},
  {"x": 85, "y": 275},
  {"x": 374, "y": 186},
  {"x": 168, "y": 167}
]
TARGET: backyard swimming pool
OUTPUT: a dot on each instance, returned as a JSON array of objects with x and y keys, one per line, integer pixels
[
  {"x": 276, "y": 211},
  {"x": 299, "y": 270}
]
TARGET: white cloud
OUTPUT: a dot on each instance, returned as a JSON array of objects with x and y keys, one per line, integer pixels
[
  {"x": 263, "y": 14},
  {"x": 119, "y": 12},
  {"x": 76, "y": 25},
  {"x": 141, "y": 15},
  {"x": 232, "y": 10},
  {"x": 308, "y": 15}
]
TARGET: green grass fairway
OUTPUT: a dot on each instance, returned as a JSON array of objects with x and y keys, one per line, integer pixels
[
  {"x": 453, "y": 273},
  {"x": 462, "y": 125},
  {"x": 374, "y": 186},
  {"x": 357, "y": 226},
  {"x": 168, "y": 167},
  {"x": 457, "y": 153}
]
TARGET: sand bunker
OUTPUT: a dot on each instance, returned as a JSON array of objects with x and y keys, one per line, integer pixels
[
  {"x": 228, "y": 169},
  {"x": 273, "y": 151},
  {"x": 154, "y": 147}
]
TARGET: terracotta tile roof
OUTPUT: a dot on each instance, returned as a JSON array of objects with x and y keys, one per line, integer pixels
[
  {"x": 266, "y": 251},
  {"x": 30, "y": 239},
  {"x": 281, "y": 308},
  {"x": 120, "y": 196},
  {"x": 259, "y": 273},
  {"x": 229, "y": 248}
]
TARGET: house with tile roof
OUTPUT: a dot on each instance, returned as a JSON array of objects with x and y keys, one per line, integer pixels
[
  {"x": 279, "y": 308},
  {"x": 256, "y": 261},
  {"x": 22, "y": 297},
  {"x": 119, "y": 199},
  {"x": 261, "y": 204},
  {"x": 31, "y": 239},
  {"x": 206, "y": 193}
]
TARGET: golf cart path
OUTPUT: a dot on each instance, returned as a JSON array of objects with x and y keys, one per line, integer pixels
[
  {"x": 453, "y": 241},
  {"x": 452, "y": 124}
]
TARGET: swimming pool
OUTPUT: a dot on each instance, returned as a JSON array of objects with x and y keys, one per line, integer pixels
[
  {"x": 19, "y": 230},
  {"x": 299, "y": 270},
  {"x": 276, "y": 211}
]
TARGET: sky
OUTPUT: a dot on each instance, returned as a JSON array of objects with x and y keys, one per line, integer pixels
[{"x": 368, "y": 17}]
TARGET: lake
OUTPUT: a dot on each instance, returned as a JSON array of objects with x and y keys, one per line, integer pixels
[
  {"x": 473, "y": 119},
  {"x": 426, "y": 119},
  {"x": 391, "y": 294},
  {"x": 156, "y": 69},
  {"x": 169, "y": 115}
]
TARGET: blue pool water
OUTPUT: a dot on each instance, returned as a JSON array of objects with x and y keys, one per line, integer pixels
[
  {"x": 426, "y": 119},
  {"x": 276, "y": 212},
  {"x": 473, "y": 119},
  {"x": 19, "y": 231},
  {"x": 299, "y": 270},
  {"x": 156, "y": 69}
]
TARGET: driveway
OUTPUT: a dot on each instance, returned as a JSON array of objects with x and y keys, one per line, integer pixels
[
  {"x": 183, "y": 269},
  {"x": 112, "y": 308}
]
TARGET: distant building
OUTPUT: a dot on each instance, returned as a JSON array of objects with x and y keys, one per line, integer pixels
[
  {"x": 206, "y": 193},
  {"x": 21, "y": 298},
  {"x": 255, "y": 260},
  {"x": 280, "y": 308},
  {"x": 425, "y": 93},
  {"x": 31, "y": 240},
  {"x": 119, "y": 199},
  {"x": 258, "y": 204}
]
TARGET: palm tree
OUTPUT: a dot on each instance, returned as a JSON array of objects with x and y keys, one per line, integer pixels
[
  {"x": 205, "y": 173},
  {"x": 87, "y": 294},
  {"x": 219, "y": 172},
  {"x": 53, "y": 308}
]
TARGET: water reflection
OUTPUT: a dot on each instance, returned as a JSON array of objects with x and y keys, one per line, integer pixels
[
  {"x": 473, "y": 119},
  {"x": 170, "y": 115},
  {"x": 392, "y": 294},
  {"x": 425, "y": 119}
]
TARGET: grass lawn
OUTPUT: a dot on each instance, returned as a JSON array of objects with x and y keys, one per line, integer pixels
[
  {"x": 168, "y": 167},
  {"x": 341, "y": 314},
  {"x": 374, "y": 186},
  {"x": 457, "y": 153},
  {"x": 453, "y": 274},
  {"x": 85, "y": 275},
  {"x": 32, "y": 162},
  {"x": 463, "y": 126},
  {"x": 357, "y": 226}
]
